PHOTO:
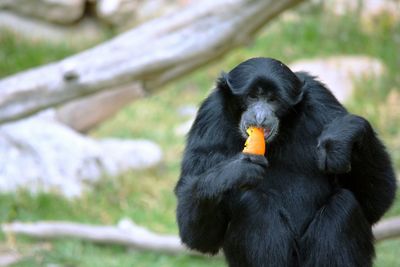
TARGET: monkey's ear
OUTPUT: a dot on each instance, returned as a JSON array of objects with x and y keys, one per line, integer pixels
[
  {"x": 297, "y": 93},
  {"x": 298, "y": 98},
  {"x": 222, "y": 82},
  {"x": 299, "y": 84},
  {"x": 236, "y": 81}
]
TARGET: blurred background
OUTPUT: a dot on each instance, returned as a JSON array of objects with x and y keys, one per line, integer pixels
[{"x": 96, "y": 97}]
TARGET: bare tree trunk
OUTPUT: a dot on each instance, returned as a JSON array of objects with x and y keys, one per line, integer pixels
[
  {"x": 126, "y": 234},
  {"x": 387, "y": 229},
  {"x": 85, "y": 113},
  {"x": 129, "y": 234},
  {"x": 151, "y": 55}
]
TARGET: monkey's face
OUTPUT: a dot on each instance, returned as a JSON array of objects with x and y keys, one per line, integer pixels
[
  {"x": 260, "y": 110},
  {"x": 266, "y": 91}
]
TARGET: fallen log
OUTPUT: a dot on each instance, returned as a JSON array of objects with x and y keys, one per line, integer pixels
[
  {"x": 86, "y": 113},
  {"x": 387, "y": 229},
  {"x": 127, "y": 233},
  {"x": 150, "y": 55}
]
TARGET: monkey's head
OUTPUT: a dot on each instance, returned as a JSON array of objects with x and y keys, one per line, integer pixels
[{"x": 265, "y": 90}]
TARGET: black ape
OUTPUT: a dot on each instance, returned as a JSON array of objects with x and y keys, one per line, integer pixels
[{"x": 311, "y": 201}]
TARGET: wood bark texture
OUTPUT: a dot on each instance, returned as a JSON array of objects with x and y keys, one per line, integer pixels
[
  {"x": 126, "y": 234},
  {"x": 387, "y": 229},
  {"x": 129, "y": 234},
  {"x": 152, "y": 54}
]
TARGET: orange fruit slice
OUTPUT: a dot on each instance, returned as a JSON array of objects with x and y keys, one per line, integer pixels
[{"x": 255, "y": 143}]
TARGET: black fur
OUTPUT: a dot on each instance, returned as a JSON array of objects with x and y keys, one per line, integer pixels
[{"x": 328, "y": 177}]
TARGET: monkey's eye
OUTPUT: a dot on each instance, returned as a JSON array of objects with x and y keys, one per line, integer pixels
[
  {"x": 252, "y": 97},
  {"x": 272, "y": 98}
]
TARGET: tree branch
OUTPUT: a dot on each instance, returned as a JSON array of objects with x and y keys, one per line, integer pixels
[
  {"x": 87, "y": 112},
  {"x": 129, "y": 234},
  {"x": 152, "y": 54},
  {"x": 126, "y": 234},
  {"x": 387, "y": 229}
]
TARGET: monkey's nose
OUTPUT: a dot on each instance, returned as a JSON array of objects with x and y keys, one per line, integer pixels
[{"x": 260, "y": 118}]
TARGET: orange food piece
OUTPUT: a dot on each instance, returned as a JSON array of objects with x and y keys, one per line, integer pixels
[{"x": 255, "y": 143}]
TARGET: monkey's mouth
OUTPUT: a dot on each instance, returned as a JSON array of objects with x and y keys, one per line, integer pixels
[{"x": 269, "y": 132}]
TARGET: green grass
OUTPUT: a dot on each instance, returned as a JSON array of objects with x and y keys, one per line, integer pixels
[
  {"x": 146, "y": 196},
  {"x": 18, "y": 54}
]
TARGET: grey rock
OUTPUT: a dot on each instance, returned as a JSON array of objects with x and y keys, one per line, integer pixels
[
  {"x": 128, "y": 155},
  {"x": 368, "y": 8},
  {"x": 40, "y": 154},
  {"x": 187, "y": 110},
  {"x": 84, "y": 31},
  {"x": 59, "y": 11},
  {"x": 125, "y": 13},
  {"x": 340, "y": 72},
  {"x": 184, "y": 128}
]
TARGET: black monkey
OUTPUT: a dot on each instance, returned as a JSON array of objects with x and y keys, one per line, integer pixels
[{"x": 311, "y": 201}]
